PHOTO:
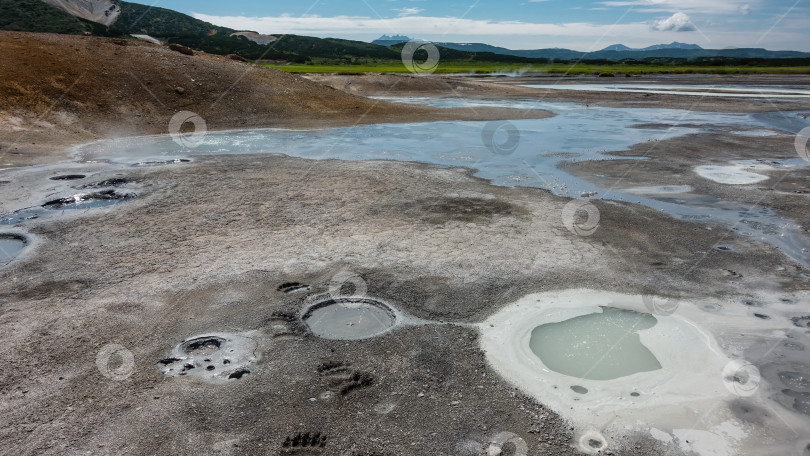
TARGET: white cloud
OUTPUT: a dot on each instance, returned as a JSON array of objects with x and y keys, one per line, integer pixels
[
  {"x": 691, "y": 6},
  {"x": 678, "y": 22},
  {"x": 408, "y": 11}
]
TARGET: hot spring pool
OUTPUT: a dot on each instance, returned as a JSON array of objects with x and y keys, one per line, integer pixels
[{"x": 597, "y": 346}]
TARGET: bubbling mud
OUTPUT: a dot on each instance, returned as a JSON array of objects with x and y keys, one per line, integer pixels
[{"x": 213, "y": 357}]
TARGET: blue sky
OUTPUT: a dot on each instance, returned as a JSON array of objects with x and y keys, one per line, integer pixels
[{"x": 526, "y": 24}]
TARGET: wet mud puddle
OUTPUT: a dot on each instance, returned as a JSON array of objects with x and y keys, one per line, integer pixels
[
  {"x": 520, "y": 152},
  {"x": 76, "y": 202},
  {"x": 11, "y": 245}
]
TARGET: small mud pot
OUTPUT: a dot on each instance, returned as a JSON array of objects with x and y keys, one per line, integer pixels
[{"x": 349, "y": 318}]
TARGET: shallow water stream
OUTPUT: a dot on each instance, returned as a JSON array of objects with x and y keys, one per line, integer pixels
[{"x": 526, "y": 152}]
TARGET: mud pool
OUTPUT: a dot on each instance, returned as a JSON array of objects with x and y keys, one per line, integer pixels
[
  {"x": 597, "y": 346},
  {"x": 679, "y": 383},
  {"x": 349, "y": 318}
]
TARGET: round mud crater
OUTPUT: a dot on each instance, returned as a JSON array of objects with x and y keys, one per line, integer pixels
[
  {"x": 349, "y": 318},
  {"x": 202, "y": 345},
  {"x": 216, "y": 357}
]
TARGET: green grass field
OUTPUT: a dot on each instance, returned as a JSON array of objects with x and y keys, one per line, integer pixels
[{"x": 554, "y": 68}]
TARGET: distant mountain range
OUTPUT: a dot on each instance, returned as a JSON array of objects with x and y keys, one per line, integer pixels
[
  {"x": 655, "y": 47},
  {"x": 615, "y": 52}
]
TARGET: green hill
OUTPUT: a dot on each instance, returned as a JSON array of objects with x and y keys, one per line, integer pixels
[{"x": 37, "y": 16}]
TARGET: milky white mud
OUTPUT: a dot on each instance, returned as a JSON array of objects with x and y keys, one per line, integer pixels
[
  {"x": 737, "y": 173},
  {"x": 659, "y": 190},
  {"x": 692, "y": 401}
]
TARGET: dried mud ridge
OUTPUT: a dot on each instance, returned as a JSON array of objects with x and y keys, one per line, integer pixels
[
  {"x": 113, "y": 182},
  {"x": 292, "y": 287},
  {"x": 104, "y": 195},
  {"x": 68, "y": 177},
  {"x": 14, "y": 237}
]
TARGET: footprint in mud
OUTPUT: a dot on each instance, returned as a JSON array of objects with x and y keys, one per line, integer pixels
[
  {"x": 285, "y": 325},
  {"x": 307, "y": 443},
  {"x": 293, "y": 287},
  {"x": 343, "y": 378},
  {"x": 801, "y": 322},
  {"x": 732, "y": 273}
]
